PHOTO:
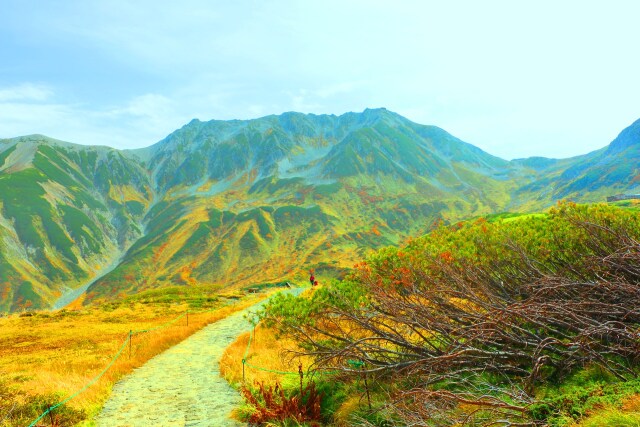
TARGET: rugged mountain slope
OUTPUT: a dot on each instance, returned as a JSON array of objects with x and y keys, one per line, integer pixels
[
  {"x": 65, "y": 210},
  {"x": 226, "y": 203},
  {"x": 267, "y": 199},
  {"x": 589, "y": 178}
]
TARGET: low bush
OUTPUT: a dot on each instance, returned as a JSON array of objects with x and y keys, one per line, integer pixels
[{"x": 272, "y": 404}]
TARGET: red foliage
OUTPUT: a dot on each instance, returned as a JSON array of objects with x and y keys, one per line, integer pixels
[
  {"x": 272, "y": 404},
  {"x": 446, "y": 256}
]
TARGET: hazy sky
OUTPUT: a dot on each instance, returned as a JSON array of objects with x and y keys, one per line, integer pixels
[{"x": 516, "y": 78}]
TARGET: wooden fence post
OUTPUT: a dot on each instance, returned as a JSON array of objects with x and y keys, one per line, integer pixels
[
  {"x": 51, "y": 415},
  {"x": 301, "y": 376},
  {"x": 366, "y": 386}
]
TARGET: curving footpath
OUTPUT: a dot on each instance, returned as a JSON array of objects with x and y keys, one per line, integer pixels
[{"x": 182, "y": 386}]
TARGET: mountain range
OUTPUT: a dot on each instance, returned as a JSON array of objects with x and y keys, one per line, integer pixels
[{"x": 241, "y": 202}]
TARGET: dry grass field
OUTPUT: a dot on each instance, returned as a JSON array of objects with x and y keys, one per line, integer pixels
[{"x": 47, "y": 356}]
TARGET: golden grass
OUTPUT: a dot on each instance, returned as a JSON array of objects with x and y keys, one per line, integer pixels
[
  {"x": 267, "y": 351},
  {"x": 632, "y": 403},
  {"x": 62, "y": 351},
  {"x": 126, "y": 193},
  {"x": 611, "y": 418},
  {"x": 628, "y": 415},
  {"x": 343, "y": 416}
]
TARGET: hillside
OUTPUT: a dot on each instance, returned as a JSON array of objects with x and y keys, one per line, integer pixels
[
  {"x": 282, "y": 194},
  {"x": 67, "y": 210},
  {"x": 591, "y": 177},
  {"x": 231, "y": 203}
]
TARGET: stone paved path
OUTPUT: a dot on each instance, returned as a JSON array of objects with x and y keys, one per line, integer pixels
[{"x": 182, "y": 386}]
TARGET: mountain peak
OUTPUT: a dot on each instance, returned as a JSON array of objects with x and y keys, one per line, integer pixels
[
  {"x": 376, "y": 111},
  {"x": 629, "y": 137}
]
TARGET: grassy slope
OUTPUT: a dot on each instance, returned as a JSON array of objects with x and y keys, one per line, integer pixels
[{"x": 363, "y": 180}]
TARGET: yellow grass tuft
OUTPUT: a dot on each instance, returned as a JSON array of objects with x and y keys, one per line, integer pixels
[
  {"x": 267, "y": 351},
  {"x": 343, "y": 416}
]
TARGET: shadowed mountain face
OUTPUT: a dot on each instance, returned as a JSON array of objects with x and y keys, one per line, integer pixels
[{"x": 228, "y": 203}]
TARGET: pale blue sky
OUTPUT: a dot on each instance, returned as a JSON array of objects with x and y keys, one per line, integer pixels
[{"x": 515, "y": 78}]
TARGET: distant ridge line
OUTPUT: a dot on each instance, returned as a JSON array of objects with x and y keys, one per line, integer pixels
[{"x": 619, "y": 197}]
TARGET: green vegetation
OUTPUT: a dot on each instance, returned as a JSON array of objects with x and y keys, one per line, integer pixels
[
  {"x": 22, "y": 199},
  {"x": 530, "y": 319},
  {"x": 587, "y": 391},
  {"x": 6, "y": 153},
  {"x": 272, "y": 185},
  {"x": 194, "y": 297},
  {"x": 52, "y": 165}
]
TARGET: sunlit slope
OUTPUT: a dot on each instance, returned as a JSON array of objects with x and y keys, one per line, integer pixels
[
  {"x": 266, "y": 200},
  {"x": 64, "y": 211}
]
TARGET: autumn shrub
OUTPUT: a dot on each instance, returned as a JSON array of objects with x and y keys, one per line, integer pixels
[{"x": 474, "y": 318}]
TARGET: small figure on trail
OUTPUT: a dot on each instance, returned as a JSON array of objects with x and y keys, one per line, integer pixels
[{"x": 312, "y": 279}]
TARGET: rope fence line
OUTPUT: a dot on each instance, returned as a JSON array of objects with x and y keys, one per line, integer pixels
[
  {"x": 246, "y": 363},
  {"x": 127, "y": 340},
  {"x": 89, "y": 384},
  {"x": 260, "y": 368},
  {"x": 354, "y": 364}
]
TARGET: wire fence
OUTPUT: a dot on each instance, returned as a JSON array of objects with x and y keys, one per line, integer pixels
[
  {"x": 128, "y": 341},
  {"x": 89, "y": 384},
  {"x": 246, "y": 363}
]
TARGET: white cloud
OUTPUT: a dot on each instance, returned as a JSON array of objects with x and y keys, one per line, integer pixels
[
  {"x": 25, "y": 92},
  {"x": 143, "y": 120},
  {"x": 151, "y": 106}
]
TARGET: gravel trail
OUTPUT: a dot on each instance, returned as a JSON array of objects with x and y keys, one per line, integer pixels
[{"x": 182, "y": 386}]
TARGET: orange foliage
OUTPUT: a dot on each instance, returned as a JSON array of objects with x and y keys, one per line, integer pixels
[
  {"x": 185, "y": 273},
  {"x": 446, "y": 256},
  {"x": 159, "y": 251},
  {"x": 279, "y": 407},
  {"x": 4, "y": 295}
]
